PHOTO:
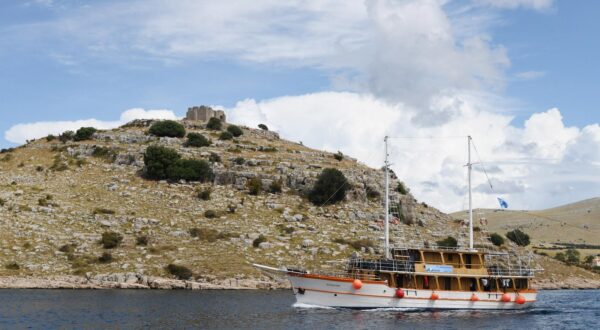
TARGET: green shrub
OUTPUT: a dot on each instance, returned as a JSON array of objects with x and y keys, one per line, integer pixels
[
  {"x": 204, "y": 194},
  {"x": 67, "y": 248},
  {"x": 519, "y": 237},
  {"x": 560, "y": 257},
  {"x": 181, "y": 272},
  {"x": 275, "y": 187},
  {"x": 210, "y": 214},
  {"x": 254, "y": 186},
  {"x": 2, "y": 201},
  {"x": 449, "y": 241},
  {"x": 101, "y": 210},
  {"x": 372, "y": 193},
  {"x": 12, "y": 266},
  {"x": 214, "y": 124},
  {"x": 235, "y": 130},
  {"x": 190, "y": 170},
  {"x": 110, "y": 239},
  {"x": 267, "y": 149},
  {"x": 105, "y": 258},
  {"x": 50, "y": 138},
  {"x": 330, "y": 187},
  {"x": 197, "y": 140},
  {"x": 168, "y": 128},
  {"x": 338, "y": 156},
  {"x": 157, "y": 160},
  {"x": 103, "y": 152},
  {"x": 142, "y": 240},
  {"x": 259, "y": 240},
  {"x": 263, "y": 127},
  {"x": 225, "y": 136},
  {"x": 572, "y": 256},
  {"x": 402, "y": 188},
  {"x": 239, "y": 160},
  {"x": 84, "y": 133},
  {"x": 66, "y": 136},
  {"x": 496, "y": 239},
  {"x": 214, "y": 158}
]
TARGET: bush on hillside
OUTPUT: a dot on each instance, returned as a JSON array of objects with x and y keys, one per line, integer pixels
[
  {"x": 66, "y": 136},
  {"x": 110, "y": 239},
  {"x": 142, "y": 240},
  {"x": 275, "y": 187},
  {"x": 263, "y": 127},
  {"x": 12, "y": 266},
  {"x": 84, "y": 133},
  {"x": 402, "y": 188},
  {"x": 190, "y": 170},
  {"x": 572, "y": 256},
  {"x": 338, "y": 156},
  {"x": 214, "y": 124},
  {"x": 204, "y": 194},
  {"x": 214, "y": 158},
  {"x": 519, "y": 237},
  {"x": 165, "y": 163},
  {"x": 258, "y": 240},
  {"x": 449, "y": 241},
  {"x": 168, "y": 128},
  {"x": 197, "y": 140},
  {"x": 225, "y": 136},
  {"x": 560, "y": 257},
  {"x": 105, "y": 258},
  {"x": 210, "y": 214},
  {"x": 254, "y": 186},
  {"x": 496, "y": 239},
  {"x": 181, "y": 272},
  {"x": 235, "y": 130},
  {"x": 330, "y": 187},
  {"x": 239, "y": 161}
]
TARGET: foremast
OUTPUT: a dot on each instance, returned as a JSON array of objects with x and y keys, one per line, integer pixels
[{"x": 387, "y": 202}]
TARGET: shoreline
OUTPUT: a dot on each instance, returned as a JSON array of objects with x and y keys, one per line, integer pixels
[{"x": 142, "y": 282}]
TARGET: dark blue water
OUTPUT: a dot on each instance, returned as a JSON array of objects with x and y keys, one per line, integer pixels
[{"x": 127, "y": 309}]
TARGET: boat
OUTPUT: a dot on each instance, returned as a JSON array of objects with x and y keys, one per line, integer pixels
[{"x": 420, "y": 277}]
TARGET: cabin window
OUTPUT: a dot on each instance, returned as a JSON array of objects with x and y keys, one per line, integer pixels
[
  {"x": 468, "y": 258},
  {"x": 447, "y": 283},
  {"x": 521, "y": 283},
  {"x": 449, "y": 257}
]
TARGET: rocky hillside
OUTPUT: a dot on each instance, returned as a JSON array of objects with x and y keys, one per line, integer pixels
[{"x": 57, "y": 199}]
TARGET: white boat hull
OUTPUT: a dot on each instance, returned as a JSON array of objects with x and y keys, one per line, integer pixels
[{"x": 341, "y": 293}]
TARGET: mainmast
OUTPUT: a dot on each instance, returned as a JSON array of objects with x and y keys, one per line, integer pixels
[
  {"x": 469, "y": 166},
  {"x": 387, "y": 201}
]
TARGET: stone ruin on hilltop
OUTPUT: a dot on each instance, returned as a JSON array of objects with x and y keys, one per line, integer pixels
[{"x": 204, "y": 113}]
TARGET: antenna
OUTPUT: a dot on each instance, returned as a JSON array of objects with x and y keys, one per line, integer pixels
[
  {"x": 470, "y": 167},
  {"x": 387, "y": 201}
]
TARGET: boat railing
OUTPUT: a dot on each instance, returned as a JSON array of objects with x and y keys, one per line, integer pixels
[{"x": 390, "y": 265}]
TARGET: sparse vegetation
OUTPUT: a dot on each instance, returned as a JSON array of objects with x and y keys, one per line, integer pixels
[
  {"x": 168, "y": 128},
  {"x": 401, "y": 188},
  {"x": 254, "y": 186},
  {"x": 104, "y": 153},
  {"x": 12, "y": 266},
  {"x": 236, "y": 131},
  {"x": 275, "y": 187},
  {"x": 356, "y": 244},
  {"x": 519, "y": 237},
  {"x": 214, "y": 124},
  {"x": 142, "y": 240},
  {"x": 372, "y": 193},
  {"x": 2, "y": 202},
  {"x": 84, "y": 133},
  {"x": 330, "y": 187},
  {"x": 214, "y": 158},
  {"x": 101, "y": 210},
  {"x": 50, "y": 138},
  {"x": 496, "y": 239},
  {"x": 225, "y": 136},
  {"x": 210, "y": 214},
  {"x": 67, "y": 248},
  {"x": 239, "y": 160},
  {"x": 258, "y": 240},
  {"x": 66, "y": 136},
  {"x": 263, "y": 127},
  {"x": 197, "y": 140},
  {"x": 111, "y": 240},
  {"x": 204, "y": 194},
  {"x": 338, "y": 156},
  {"x": 105, "y": 258},
  {"x": 449, "y": 241},
  {"x": 181, "y": 272},
  {"x": 572, "y": 256}
]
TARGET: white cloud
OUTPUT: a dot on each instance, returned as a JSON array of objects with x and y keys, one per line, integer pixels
[
  {"x": 530, "y": 75},
  {"x": 22, "y": 132},
  {"x": 541, "y": 164},
  {"x": 513, "y": 4}
]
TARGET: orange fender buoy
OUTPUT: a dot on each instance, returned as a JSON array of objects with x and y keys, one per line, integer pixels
[
  {"x": 400, "y": 293},
  {"x": 434, "y": 296},
  {"x": 520, "y": 300},
  {"x": 357, "y": 284},
  {"x": 474, "y": 297},
  {"x": 505, "y": 298}
]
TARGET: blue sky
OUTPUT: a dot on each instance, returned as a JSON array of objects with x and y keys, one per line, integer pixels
[{"x": 66, "y": 60}]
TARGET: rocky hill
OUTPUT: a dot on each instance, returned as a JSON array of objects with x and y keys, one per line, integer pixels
[{"x": 57, "y": 199}]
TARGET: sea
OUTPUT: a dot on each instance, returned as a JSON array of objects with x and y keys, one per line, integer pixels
[{"x": 149, "y": 309}]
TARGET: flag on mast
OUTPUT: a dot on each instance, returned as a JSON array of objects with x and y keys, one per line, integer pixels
[{"x": 503, "y": 203}]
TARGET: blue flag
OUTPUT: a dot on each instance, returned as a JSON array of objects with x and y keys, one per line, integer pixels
[{"x": 503, "y": 203}]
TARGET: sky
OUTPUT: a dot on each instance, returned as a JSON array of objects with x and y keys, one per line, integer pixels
[{"x": 520, "y": 76}]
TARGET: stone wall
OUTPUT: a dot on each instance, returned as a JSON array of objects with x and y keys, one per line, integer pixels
[{"x": 204, "y": 113}]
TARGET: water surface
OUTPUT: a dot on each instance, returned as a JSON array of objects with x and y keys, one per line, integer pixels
[{"x": 127, "y": 309}]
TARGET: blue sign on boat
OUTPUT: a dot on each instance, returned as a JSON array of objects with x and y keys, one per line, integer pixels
[{"x": 439, "y": 269}]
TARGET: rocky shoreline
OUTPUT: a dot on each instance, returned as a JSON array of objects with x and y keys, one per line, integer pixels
[{"x": 139, "y": 281}]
